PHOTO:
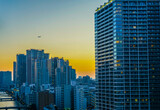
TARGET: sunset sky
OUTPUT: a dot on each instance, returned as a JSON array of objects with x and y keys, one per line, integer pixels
[{"x": 66, "y": 27}]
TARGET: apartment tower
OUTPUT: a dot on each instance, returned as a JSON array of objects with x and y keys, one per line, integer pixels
[{"x": 127, "y": 55}]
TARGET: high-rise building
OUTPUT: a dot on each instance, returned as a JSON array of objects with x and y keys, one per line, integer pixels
[
  {"x": 31, "y": 57},
  {"x": 14, "y": 72},
  {"x": 63, "y": 77},
  {"x": 63, "y": 73},
  {"x": 20, "y": 70},
  {"x": 41, "y": 72},
  {"x": 80, "y": 101},
  {"x": 127, "y": 54},
  {"x": 73, "y": 75},
  {"x": 52, "y": 65},
  {"x": 5, "y": 79},
  {"x": 67, "y": 97}
]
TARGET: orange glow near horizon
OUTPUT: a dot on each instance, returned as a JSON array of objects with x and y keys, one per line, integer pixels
[
  {"x": 66, "y": 28},
  {"x": 84, "y": 66}
]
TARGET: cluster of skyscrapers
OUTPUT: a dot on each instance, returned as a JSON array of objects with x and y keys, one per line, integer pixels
[
  {"x": 50, "y": 82},
  {"x": 127, "y": 60},
  {"x": 127, "y": 48}
]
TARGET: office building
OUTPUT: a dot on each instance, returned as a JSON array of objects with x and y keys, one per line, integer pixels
[
  {"x": 80, "y": 101},
  {"x": 52, "y": 65},
  {"x": 31, "y": 56},
  {"x": 14, "y": 72},
  {"x": 73, "y": 75},
  {"x": 91, "y": 96},
  {"x": 41, "y": 72},
  {"x": 67, "y": 97},
  {"x": 127, "y": 55},
  {"x": 20, "y": 69},
  {"x": 64, "y": 74}
]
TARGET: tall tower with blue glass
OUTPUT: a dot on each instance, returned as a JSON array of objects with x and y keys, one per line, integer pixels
[{"x": 127, "y": 55}]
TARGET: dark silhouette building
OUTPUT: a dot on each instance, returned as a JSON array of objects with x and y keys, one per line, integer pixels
[{"x": 45, "y": 98}]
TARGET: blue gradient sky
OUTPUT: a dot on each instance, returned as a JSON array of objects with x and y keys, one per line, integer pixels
[{"x": 66, "y": 27}]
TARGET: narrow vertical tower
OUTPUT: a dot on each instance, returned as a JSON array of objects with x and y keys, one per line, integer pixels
[
  {"x": 20, "y": 70},
  {"x": 127, "y": 50}
]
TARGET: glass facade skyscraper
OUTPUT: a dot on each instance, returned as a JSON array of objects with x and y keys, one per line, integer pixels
[
  {"x": 31, "y": 56},
  {"x": 127, "y": 54},
  {"x": 20, "y": 69}
]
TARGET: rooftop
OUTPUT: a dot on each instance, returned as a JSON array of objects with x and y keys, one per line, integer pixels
[{"x": 105, "y": 4}]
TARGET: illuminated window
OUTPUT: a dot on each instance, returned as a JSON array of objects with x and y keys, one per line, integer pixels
[
  {"x": 146, "y": 99},
  {"x": 134, "y": 38},
  {"x": 136, "y": 100},
  {"x": 134, "y": 45},
  {"x": 134, "y": 27},
  {"x": 118, "y": 64},
  {"x": 152, "y": 45},
  {"x": 117, "y": 41},
  {"x": 153, "y": 76},
  {"x": 118, "y": 60},
  {"x": 124, "y": 91},
  {"x": 118, "y": 4},
  {"x": 121, "y": 72},
  {"x": 127, "y": 99},
  {"x": 142, "y": 100},
  {"x": 153, "y": 69}
]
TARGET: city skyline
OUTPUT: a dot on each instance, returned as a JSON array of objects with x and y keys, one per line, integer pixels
[
  {"x": 66, "y": 29},
  {"x": 80, "y": 55}
]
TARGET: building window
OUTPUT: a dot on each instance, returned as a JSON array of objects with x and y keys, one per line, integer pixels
[
  {"x": 117, "y": 41},
  {"x": 134, "y": 27},
  {"x": 136, "y": 100}
]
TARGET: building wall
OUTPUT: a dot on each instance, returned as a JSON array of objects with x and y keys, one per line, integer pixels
[
  {"x": 5, "y": 79},
  {"x": 127, "y": 72},
  {"x": 45, "y": 98},
  {"x": 20, "y": 70},
  {"x": 14, "y": 72},
  {"x": 31, "y": 57},
  {"x": 80, "y": 99},
  {"x": 67, "y": 96},
  {"x": 41, "y": 72},
  {"x": 52, "y": 65}
]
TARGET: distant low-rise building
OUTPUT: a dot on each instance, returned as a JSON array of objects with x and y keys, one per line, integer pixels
[{"x": 85, "y": 80}]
